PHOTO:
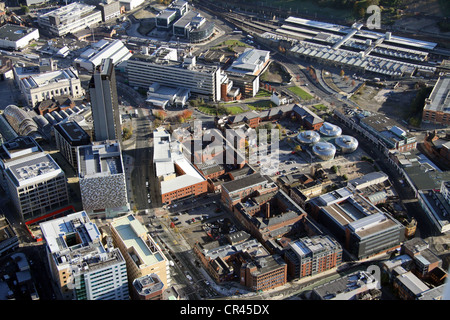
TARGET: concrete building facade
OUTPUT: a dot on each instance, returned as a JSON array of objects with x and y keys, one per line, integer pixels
[
  {"x": 104, "y": 103},
  {"x": 34, "y": 181},
  {"x": 310, "y": 256},
  {"x": 163, "y": 67},
  {"x": 50, "y": 84}
]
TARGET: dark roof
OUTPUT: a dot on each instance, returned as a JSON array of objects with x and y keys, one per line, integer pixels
[
  {"x": 307, "y": 115},
  {"x": 248, "y": 181},
  {"x": 243, "y": 116},
  {"x": 14, "y": 32},
  {"x": 73, "y": 133}
]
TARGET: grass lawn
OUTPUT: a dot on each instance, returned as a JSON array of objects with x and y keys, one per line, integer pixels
[
  {"x": 320, "y": 107},
  {"x": 207, "y": 110},
  {"x": 261, "y": 105},
  {"x": 235, "y": 109},
  {"x": 301, "y": 93},
  {"x": 212, "y": 110},
  {"x": 231, "y": 43},
  {"x": 263, "y": 93}
]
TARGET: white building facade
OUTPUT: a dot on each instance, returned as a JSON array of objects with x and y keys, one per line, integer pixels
[
  {"x": 47, "y": 85},
  {"x": 82, "y": 267},
  {"x": 70, "y": 18}
]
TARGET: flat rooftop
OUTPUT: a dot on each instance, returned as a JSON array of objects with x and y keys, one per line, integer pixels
[
  {"x": 73, "y": 10},
  {"x": 55, "y": 231},
  {"x": 361, "y": 216},
  {"x": 72, "y": 132},
  {"x": 18, "y": 147},
  {"x": 130, "y": 231},
  {"x": 100, "y": 160},
  {"x": 14, "y": 32},
  {"x": 33, "y": 168},
  {"x": 439, "y": 99},
  {"x": 246, "y": 182}
]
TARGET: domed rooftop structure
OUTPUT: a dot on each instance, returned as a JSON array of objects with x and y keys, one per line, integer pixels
[
  {"x": 330, "y": 130},
  {"x": 324, "y": 150},
  {"x": 347, "y": 144},
  {"x": 20, "y": 121},
  {"x": 308, "y": 137}
]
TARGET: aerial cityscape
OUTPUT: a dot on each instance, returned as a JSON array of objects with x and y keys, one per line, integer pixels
[{"x": 222, "y": 151}]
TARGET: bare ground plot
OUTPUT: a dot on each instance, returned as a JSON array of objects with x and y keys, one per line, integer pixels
[
  {"x": 393, "y": 103},
  {"x": 276, "y": 73},
  {"x": 418, "y": 24},
  {"x": 429, "y": 7}
]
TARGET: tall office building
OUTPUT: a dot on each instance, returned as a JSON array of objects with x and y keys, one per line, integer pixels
[
  {"x": 105, "y": 105},
  {"x": 80, "y": 265}
]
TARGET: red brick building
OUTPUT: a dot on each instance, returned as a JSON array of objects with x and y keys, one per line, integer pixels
[
  {"x": 264, "y": 274},
  {"x": 437, "y": 105},
  {"x": 236, "y": 190}
]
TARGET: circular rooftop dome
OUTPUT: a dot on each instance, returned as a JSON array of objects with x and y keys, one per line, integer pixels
[
  {"x": 347, "y": 144},
  {"x": 330, "y": 130},
  {"x": 308, "y": 137},
  {"x": 324, "y": 150}
]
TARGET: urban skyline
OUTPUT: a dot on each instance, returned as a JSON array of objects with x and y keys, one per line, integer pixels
[{"x": 223, "y": 152}]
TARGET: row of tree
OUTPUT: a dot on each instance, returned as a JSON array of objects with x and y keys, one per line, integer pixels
[{"x": 180, "y": 117}]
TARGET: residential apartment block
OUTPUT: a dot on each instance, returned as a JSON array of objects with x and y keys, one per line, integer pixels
[
  {"x": 34, "y": 181},
  {"x": 80, "y": 265},
  {"x": 142, "y": 254},
  {"x": 310, "y": 256},
  {"x": 244, "y": 258},
  {"x": 264, "y": 273},
  {"x": 102, "y": 179},
  {"x": 70, "y": 18}
]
